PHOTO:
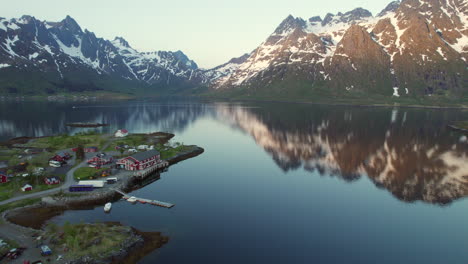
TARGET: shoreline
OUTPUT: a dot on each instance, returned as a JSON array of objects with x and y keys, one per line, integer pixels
[
  {"x": 238, "y": 100},
  {"x": 55, "y": 205},
  {"x": 399, "y": 105}
]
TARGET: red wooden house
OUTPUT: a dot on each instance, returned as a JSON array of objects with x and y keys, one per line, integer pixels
[
  {"x": 140, "y": 160},
  {"x": 3, "y": 178},
  {"x": 91, "y": 149},
  {"x": 52, "y": 180},
  {"x": 101, "y": 160}
]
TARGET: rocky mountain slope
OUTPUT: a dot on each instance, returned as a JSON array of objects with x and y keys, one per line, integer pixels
[
  {"x": 40, "y": 56},
  {"x": 411, "y": 49},
  {"x": 414, "y": 48}
]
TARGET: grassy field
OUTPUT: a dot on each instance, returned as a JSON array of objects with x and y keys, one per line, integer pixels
[
  {"x": 87, "y": 173},
  {"x": 93, "y": 240},
  {"x": 131, "y": 140},
  {"x": 13, "y": 187},
  {"x": 66, "y": 141},
  {"x": 172, "y": 151}
]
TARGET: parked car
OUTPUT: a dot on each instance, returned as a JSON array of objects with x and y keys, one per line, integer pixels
[
  {"x": 93, "y": 165},
  {"x": 38, "y": 171},
  {"x": 132, "y": 150},
  {"x": 55, "y": 164}
]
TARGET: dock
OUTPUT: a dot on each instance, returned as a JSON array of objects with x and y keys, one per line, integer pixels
[
  {"x": 146, "y": 201},
  {"x": 143, "y": 173}
]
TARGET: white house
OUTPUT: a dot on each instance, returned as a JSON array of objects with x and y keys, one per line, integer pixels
[
  {"x": 121, "y": 133},
  {"x": 143, "y": 147}
]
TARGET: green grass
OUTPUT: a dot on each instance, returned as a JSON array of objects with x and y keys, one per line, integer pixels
[
  {"x": 86, "y": 173},
  {"x": 13, "y": 187},
  {"x": 172, "y": 151},
  {"x": 17, "y": 204},
  {"x": 131, "y": 140},
  {"x": 66, "y": 141}
]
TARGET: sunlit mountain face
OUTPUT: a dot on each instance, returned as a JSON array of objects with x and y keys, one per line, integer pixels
[{"x": 413, "y": 160}]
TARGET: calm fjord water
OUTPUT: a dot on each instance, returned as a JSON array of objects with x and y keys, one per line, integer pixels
[{"x": 287, "y": 183}]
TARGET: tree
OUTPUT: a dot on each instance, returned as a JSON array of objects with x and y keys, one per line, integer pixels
[
  {"x": 80, "y": 154},
  {"x": 30, "y": 169},
  {"x": 122, "y": 150},
  {"x": 14, "y": 161}
]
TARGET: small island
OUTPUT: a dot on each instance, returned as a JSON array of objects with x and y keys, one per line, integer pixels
[
  {"x": 45, "y": 176},
  {"x": 80, "y": 124}
]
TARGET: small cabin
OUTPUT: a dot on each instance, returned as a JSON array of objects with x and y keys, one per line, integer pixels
[
  {"x": 90, "y": 149},
  {"x": 52, "y": 180},
  {"x": 3, "y": 178},
  {"x": 26, "y": 188},
  {"x": 121, "y": 133},
  {"x": 64, "y": 155}
]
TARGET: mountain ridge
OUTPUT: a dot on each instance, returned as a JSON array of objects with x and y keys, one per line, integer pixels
[
  {"x": 414, "y": 49},
  {"x": 411, "y": 49}
]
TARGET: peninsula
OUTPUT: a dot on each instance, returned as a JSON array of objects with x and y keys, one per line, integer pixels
[{"x": 47, "y": 175}]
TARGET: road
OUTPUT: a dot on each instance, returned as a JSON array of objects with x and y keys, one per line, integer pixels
[{"x": 69, "y": 180}]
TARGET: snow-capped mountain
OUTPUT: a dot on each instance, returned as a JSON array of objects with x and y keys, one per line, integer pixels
[
  {"x": 212, "y": 75},
  {"x": 63, "y": 56},
  {"x": 412, "y": 48}
]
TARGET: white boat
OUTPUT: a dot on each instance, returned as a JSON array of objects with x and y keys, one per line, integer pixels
[
  {"x": 132, "y": 199},
  {"x": 107, "y": 207}
]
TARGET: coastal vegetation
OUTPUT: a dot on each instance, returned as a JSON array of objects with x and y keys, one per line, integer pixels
[
  {"x": 66, "y": 141},
  {"x": 21, "y": 203},
  {"x": 96, "y": 241}
]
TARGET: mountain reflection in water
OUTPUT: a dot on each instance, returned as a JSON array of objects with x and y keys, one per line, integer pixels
[
  {"x": 404, "y": 151},
  {"x": 409, "y": 152}
]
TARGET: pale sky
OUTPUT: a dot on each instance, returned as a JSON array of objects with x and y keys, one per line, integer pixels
[{"x": 210, "y": 32}]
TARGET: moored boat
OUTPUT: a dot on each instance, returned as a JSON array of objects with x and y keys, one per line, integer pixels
[
  {"x": 107, "y": 207},
  {"x": 132, "y": 199}
]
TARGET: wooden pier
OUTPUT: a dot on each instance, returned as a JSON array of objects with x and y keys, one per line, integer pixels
[
  {"x": 143, "y": 173},
  {"x": 146, "y": 201}
]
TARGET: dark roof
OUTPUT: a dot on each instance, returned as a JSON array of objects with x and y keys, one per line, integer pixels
[{"x": 145, "y": 155}]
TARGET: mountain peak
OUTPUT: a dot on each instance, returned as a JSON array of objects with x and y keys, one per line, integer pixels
[
  {"x": 350, "y": 16},
  {"x": 67, "y": 24},
  {"x": 27, "y": 19},
  {"x": 315, "y": 19},
  {"x": 121, "y": 41},
  {"x": 289, "y": 23},
  {"x": 389, "y": 8}
]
